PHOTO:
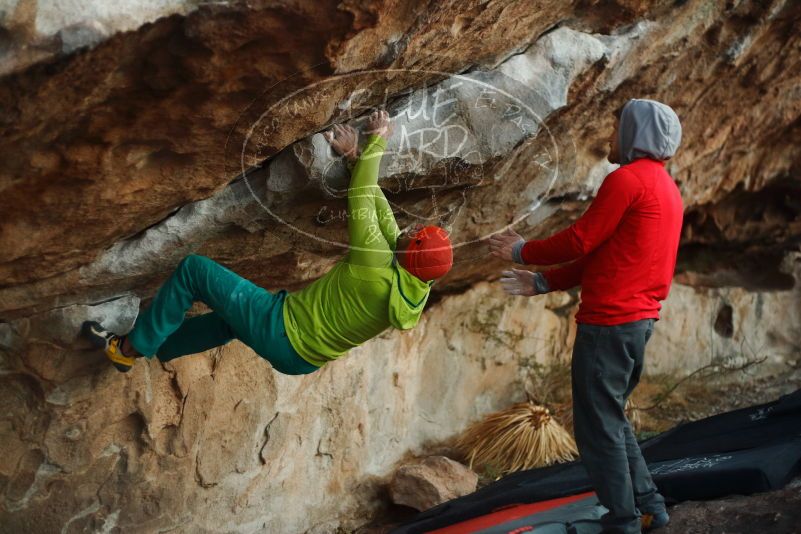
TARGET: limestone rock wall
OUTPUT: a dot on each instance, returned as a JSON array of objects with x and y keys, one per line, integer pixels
[
  {"x": 220, "y": 442},
  {"x": 35, "y": 31},
  {"x": 200, "y": 132}
]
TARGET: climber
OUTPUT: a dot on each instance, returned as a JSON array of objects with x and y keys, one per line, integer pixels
[
  {"x": 384, "y": 280},
  {"x": 622, "y": 252}
]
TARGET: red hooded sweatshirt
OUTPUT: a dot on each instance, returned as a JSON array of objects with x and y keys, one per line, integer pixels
[{"x": 623, "y": 249}]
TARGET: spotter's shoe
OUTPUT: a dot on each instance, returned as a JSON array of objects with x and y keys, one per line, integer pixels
[
  {"x": 652, "y": 521},
  {"x": 110, "y": 343}
]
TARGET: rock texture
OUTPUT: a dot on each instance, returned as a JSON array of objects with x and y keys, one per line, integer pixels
[
  {"x": 431, "y": 482},
  {"x": 36, "y": 31},
  {"x": 200, "y": 132},
  {"x": 223, "y": 428}
]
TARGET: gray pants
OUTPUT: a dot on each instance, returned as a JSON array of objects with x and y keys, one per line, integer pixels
[{"x": 607, "y": 364}]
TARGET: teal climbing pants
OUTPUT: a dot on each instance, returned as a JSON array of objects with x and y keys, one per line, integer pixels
[{"x": 240, "y": 310}]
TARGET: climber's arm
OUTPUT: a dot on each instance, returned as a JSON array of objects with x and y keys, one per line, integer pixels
[
  {"x": 368, "y": 246},
  {"x": 386, "y": 219}
]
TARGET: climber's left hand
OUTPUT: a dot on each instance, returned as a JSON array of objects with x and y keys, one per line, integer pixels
[{"x": 345, "y": 140}]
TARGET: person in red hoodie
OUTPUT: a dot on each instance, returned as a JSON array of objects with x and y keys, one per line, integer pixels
[{"x": 622, "y": 252}]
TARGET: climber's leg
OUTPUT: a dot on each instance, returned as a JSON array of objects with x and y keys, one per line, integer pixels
[
  {"x": 196, "y": 278},
  {"x": 110, "y": 343},
  {"x": 196, "y": 334},
  {"x": 241, "y": 309}
]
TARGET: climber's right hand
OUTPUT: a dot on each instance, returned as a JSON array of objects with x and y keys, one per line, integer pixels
[{"x": 378, "y": 123}]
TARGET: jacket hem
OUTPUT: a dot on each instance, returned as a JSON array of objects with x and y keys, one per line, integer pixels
[{"x": 607, "y": 320}]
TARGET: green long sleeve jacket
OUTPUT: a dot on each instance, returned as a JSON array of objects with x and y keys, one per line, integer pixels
[{"x": 367, "y": 291}]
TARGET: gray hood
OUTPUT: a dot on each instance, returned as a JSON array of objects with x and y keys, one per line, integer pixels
[{"x": 648, "y": 129}]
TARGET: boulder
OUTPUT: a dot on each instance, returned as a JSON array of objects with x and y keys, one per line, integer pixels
[{"x": 433, "y": 481}]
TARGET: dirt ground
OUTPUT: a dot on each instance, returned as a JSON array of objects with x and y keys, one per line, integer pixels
[{"x": 777, "y": 512}]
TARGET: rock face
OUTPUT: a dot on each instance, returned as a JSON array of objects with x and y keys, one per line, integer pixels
[
  {"x": 200, "y": 132},
  {"x": 36, "y": 31},
  {"x": 431, "y": 482}
]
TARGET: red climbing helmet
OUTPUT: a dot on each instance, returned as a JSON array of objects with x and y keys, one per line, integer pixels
[{"x": 429, "y": 255}]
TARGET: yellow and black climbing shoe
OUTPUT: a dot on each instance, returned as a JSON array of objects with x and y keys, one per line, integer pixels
[{"x": 110, "y": 343}]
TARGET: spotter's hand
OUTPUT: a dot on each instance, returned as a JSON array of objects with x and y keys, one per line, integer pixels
[
  {"x": 502, "y": 243},
  {"x": 519, "y": 282}
]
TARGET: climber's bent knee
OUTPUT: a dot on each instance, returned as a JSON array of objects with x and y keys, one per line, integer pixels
[{"x": 192, "y": 262}]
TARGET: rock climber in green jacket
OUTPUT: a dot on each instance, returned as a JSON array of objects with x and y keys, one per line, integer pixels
[{"x": 384, "y": 280}]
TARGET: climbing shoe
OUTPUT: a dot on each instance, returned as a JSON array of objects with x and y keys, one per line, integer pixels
[
  {"x": 110, "y": 343},
  {"x": 649, "y": 522}
]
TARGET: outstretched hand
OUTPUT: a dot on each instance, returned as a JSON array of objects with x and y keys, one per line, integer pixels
[
  {"x": 344, "y": 139},
  {"x": 378, "y": 123},
  {"x": 502, "y": 243},
  {"x": 519, "y": 282}
]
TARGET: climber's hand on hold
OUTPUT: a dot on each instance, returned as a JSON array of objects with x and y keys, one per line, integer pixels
[
  {"x": 519, "y": 282},
  {"x": 379, "y": 124},
  {"x": 345, "y": 140},
  {"x": 502, "y": 244}
]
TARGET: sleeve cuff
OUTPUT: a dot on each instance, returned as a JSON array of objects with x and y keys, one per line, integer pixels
[
  {"x": 377, "y": 140},
  {"x": 517, "y": 252},
  {"x": 541, "y": 284}
]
